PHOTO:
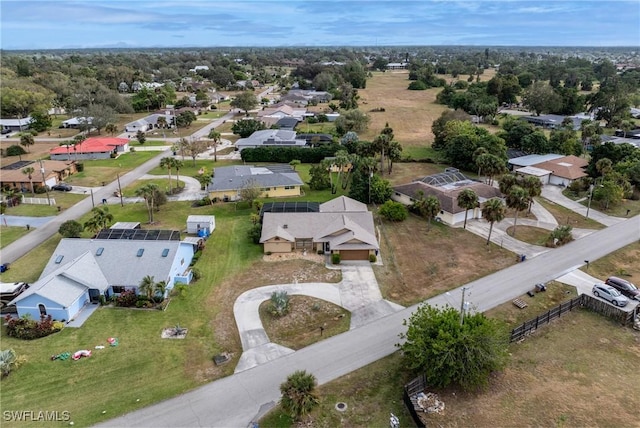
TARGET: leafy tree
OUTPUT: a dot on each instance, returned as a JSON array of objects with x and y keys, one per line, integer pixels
[
  {"x": 535, "y": 143},
  {"x": 467, "y": 199},
  {"x": 518, "y": 200},
  {"x": 515, "y": 130},
  {"x": 70, "y": 229},
  {"x": 255, "y": 232},
  {"x": 611, "y": 102},
  {"x": 168, "y": 163},
  {"x": 141, "y": 137},
  {"x": 449, "y": 352},
  {"x": 40, "y": 120},
  {"x": 244, "y": 128},
  {"x": 493, "y": 211},
  {"x": 100, "y": 219},
  {"x": 101, "y": 116},
  {"x": 393, "y": 211},
  {"x": 439, "y": 125},
  {"x": 609, "y": 193},
  {"x": 541, "y": 98},
  {"x": 298, "y": 394},
  {"x": 15, "y": 150},
  {"x": 27, "y": 140},
  {"x": 352, "y": 120},
  {"x": 192, "y": 147},
  {"x": 185, "y": 119},
  {"x": 250, "y": 192},
  {"x": 294, "y": 163},
  {"x": 28, "y": 171},
  {"x": 245, "y": 101},
  {"x": 320, "y": 179}
]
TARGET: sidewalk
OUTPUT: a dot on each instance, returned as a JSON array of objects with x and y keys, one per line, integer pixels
[{"x": 554, "y": 194}]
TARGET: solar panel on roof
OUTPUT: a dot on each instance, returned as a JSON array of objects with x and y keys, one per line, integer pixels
[{"x": 139, "y": 234}]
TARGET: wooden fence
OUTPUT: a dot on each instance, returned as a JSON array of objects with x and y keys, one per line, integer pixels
[
  {"x": 582, "y": 301},
  {"x": 411, "y": 389}
]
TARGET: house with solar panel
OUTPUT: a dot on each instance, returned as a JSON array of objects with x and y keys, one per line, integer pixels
[{"x": 80, "y": 271}]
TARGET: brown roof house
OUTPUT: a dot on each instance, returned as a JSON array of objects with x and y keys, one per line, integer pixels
[
  {"x": 341, "y": 225},
  {"x": 564, "y": 170},
  {"x": 54, "y": 172},
  {"x": 446, "y": 186}
]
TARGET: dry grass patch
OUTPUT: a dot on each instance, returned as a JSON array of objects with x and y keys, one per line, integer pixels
[
  {"x": 529, "y": 234},
  {"x": 308, "y": 321},
  {"x": 259, "y": 274},
  {"x": 406, "y": 172},
  {"x": 623, "y": 263},
  {"x": 420, "y": 263}
]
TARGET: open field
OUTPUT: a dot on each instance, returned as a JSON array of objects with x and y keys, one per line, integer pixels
[{"x": 422, "y": 262}]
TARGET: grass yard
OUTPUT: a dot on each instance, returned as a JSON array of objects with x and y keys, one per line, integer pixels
[
  {"x": 135, "y": 143},
  {"x": 8, "y": 234},
  {"x": 97, "y": 172},
  {"x": 29, "y": 267},
  {"x": 624, "y": 263},
  {"x": 63, "y": 200},
  {"x": 566, "y": 216},
  {"x": 308, "y": 321},
  {"x": 617, "y": 210},
  {"x": 529, "y": 234},
  {"x": 420, "y": 263},
  {"x": 162, "y": 183}
]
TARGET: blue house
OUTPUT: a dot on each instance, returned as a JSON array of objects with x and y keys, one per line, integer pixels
[{"x": 82, "y": 270}]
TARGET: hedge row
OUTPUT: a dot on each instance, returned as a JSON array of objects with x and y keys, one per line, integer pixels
[{"x": 287, "y": 154}]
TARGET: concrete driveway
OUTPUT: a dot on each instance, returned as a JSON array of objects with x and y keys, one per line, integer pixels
[
  {"x": 554, "y": 194},
  {"x": 584, "y": 284},
  {"x": 358, "y": 292}
]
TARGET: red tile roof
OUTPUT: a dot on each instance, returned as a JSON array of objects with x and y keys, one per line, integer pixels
[{"x": 92, "y": 145}]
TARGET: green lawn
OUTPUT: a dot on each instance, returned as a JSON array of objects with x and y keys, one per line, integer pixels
[
  {"x": 162, "y": 183},
  {"x": 63, "y": 200},
  {"x": 97, "y": 172},
  {"x": 135, "y": 143},
  {"x": 144, "y": 368},
  {"x": 8, "y": 234}
]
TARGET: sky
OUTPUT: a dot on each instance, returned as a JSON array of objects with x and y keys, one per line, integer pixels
[{"x": 60, "y": 24}]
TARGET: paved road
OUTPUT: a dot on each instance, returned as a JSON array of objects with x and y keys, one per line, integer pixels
[{"x": 236, "y": 400}]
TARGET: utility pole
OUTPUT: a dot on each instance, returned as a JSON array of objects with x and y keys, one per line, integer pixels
[
  {"x": 464, "y": 289},
  {"x": 45, "y": 183},
  {"x": 93, "y": 204},
  {"x": 120, "y": 190},
  {"x": 590, "y": 197}
]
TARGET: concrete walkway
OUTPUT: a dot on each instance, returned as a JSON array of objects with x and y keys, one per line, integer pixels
[
  {"x": 554, "y": 194},
  {"x": 358, "y": 292}
]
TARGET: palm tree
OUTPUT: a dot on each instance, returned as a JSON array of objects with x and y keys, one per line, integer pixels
[
  {"x": 27, "y": 140},
  {"x": 162, "y": 122},
  {"x": 604, "y": 166},
  {"x": 533, "y": 186},
  {"x": 517, "y": 199},
  {"x": 492, "y": 211},
  {"x": 147, "y": 193},
  {"x": 298, "y": 397},
  {"x": 428, "y": 207},
  {"x": 101, "y": 219},
  {"x": 28, "y": 171},
  {"x": 467, "y": 199},
  {"x": 507, "y": 182},
  {"x": 111, "y": 128},
  {"x": 161, "y": 288},
  {"x": 177, "y": 165},
  {"x": 147, "y": 286},
  {"x": 215, "y": 137},
  {"x": 168, "y": 163}
]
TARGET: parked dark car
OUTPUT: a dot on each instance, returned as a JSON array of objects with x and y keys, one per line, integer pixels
[
  {"x": 610, "y": 294},
  {"x": 62, "y": 186},
  {"x": 625, "y": 287},
  {"x": 6, "y": 131}
]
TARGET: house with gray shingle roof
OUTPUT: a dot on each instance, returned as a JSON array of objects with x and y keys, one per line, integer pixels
[
  {"x": 271, "y": 138},
  {"x": 273, "y": 180},
  {"x": 342, "y": 226},
  {"x": 82, "y": 270}
]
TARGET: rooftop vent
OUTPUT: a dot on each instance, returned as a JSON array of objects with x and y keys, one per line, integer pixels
[
  {"x": 59, "y": 259},
  {"x": 99, "y": 251},
  {"x": 285, "y": 226},
  {"x": 165, "y": 252},
  {"x": 140, "y": 252}
]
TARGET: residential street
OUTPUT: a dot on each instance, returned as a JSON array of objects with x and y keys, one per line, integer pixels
[{"x": 237, "y": 400}]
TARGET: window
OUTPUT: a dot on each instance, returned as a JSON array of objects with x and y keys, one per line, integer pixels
[
  {"x": 42, "y": 309},
  {"x": 99, "y": 251},
  {"x": 289, "y": 187},
  {"x": 182, "y": 261},
  {"x": 118, "y": 289},
  {"x": 165, "y": 252},
  {"x": 140, "y": 252},
  {"x": 59, "y": 260}
]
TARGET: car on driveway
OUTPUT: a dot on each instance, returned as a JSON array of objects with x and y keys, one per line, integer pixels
[
  {"x": 610, "y": 294},
  {"x": 625, "y": 287},
  {"x": 62, "y": 186}
]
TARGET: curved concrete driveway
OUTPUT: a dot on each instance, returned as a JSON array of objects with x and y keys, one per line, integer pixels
[
  {"x": 358, "y": 292},
  {"x": 554, "y": 194}
]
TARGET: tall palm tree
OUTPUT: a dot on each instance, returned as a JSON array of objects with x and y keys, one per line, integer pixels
[
  {"x": 467, "y": 199},
  {"x": 533, "y": 186},
  {"x": 111, "y": 128},
  {"x": 604, "y": 166},
  {"x": 168, "y": 163},
  {"x": 147, "y": 192},
  {"x": 507, "y": 182},
  {"x": 215, "y": 137},
  {"x": 101, "y": 219},
  {"x": 27, "y": 140},
  {"x": 28, "y": 171},
  {"x": 492, "y": 211},
  {"x": 517, "y": 199},
  {"x": 428, "y": 207},
  {"x": 177, "y": 165},
  {"x": 298, "y": 395},
  {"x": 147, "y": 286}
]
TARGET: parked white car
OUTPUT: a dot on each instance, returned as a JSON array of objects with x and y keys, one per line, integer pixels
[{"x": 610, "y": 294}]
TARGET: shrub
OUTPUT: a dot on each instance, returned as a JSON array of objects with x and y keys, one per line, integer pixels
[
  {"x": 559, "y": 236},
  {"x": 312, "y": 119},
  {"x": 132, "y": 149},
  {"x": 28, "y": 329},
  {"x": 335, "y": 258},
  {"x": 15, "y": 150},
  {"x": 393, "y": 211},
  {"x": 417, "y": 85},
  {"x": 279, "y": 303},
  {"x": 373, "y": 258},
  {"x": 127, "y": 299},
  {"x": 196, "y": 274},
  {"x": 255, "y": 232},
  {"x": 80, "y": 167}
]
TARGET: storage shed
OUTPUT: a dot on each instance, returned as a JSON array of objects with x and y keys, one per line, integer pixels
[{"x": 197, "y": 223}]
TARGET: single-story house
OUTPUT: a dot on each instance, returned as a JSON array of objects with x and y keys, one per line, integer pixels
[
  {"x": 150, "y": 122},
  {"x": 564, "y": 170},
  {"x": 16, "y": 124},
  {"x": 531, "y": 160},
  {"x": 76, "y": 122},
  {"x": 91, "y": 148},
  {"x": 82, "y": 270},
  {"x": 287, "y": 123},
  {"x": 342, "y": 226},
  {"x": 446, "y": 187},
  {"x": 313, "y": 139},
  {"x": 554, "y": 121},
  {"x": 54, "y": 172},
  {"x": 397, "y": 65},
  {"x": 283, "y": 110},
  {"x": 270, "y": 137},
  {"x": 198, "y": 223},
  {"x": 273, "y": 180},
  {"x": 541, "y": 174}
]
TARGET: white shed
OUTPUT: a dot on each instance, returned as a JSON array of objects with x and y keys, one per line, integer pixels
[{"x": 196, "y": 223}]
